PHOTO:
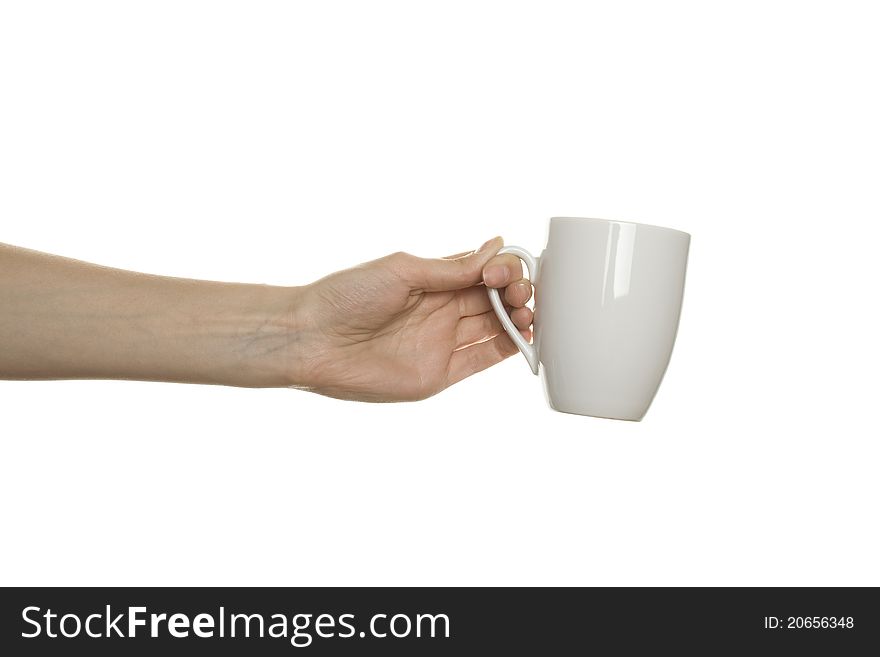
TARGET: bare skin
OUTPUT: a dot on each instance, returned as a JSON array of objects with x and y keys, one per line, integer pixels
[{"x": 395, "y": 329}]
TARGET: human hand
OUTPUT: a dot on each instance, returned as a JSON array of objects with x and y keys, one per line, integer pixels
[{"x": 404, "y": 328}]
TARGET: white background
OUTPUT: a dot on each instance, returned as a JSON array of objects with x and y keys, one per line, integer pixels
[{"x": 277, "y": 142}]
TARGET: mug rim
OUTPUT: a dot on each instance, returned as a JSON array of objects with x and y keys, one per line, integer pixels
[{"x": 615, "y": 221}]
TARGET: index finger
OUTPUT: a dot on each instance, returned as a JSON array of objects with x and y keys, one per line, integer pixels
[{"x": 502, "y": 269}]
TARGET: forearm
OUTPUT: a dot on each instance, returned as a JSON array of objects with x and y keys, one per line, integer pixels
[{"x": 64, "y": 319}]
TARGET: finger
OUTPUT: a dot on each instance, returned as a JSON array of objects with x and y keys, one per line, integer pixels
[
  {"x": 475, "y": 329},
  {"x": 522, "y": 318},
  {"x": 503, "y": 269},
  {"x": 473, "y": 301},
  {"x": 518, "y": 294},
  {"x": 457, "y": 255},
  {"x": 478, "y": 357},
  {"x": 445, "y": 274}
]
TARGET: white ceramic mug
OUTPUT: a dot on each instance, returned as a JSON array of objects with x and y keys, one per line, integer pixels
[{"x": 607, "y": 302}]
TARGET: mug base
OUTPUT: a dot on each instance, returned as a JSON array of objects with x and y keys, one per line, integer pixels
[{"x": 588, "y": 413}]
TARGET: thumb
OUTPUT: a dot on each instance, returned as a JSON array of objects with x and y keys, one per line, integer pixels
[{"x": 456, "y": 273}]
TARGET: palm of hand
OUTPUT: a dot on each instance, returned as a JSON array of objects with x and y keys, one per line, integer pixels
[{"x": 381, "y": 339}]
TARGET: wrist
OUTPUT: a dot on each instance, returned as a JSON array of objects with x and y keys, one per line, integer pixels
[{"x": 273, "y": 340}]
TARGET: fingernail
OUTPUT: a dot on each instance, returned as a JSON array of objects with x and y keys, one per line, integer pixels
[
  {"x": 495, "y": 276},
  {"x": 486, "y": 245}
]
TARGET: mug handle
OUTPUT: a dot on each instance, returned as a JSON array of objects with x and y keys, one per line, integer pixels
[{"x": 528, "y": 350}]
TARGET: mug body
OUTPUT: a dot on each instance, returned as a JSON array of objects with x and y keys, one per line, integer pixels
[{"x": 607, "y": 302}]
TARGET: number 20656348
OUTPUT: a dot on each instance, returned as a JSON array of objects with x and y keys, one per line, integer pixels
[{"x": 809, "y": 622}]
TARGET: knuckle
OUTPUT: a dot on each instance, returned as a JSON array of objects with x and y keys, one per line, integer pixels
[
  {"x": 399, "y": 262},
  {"x": 513, "y": 263}
]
